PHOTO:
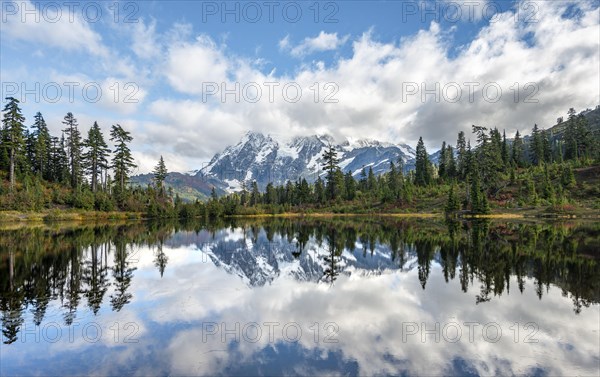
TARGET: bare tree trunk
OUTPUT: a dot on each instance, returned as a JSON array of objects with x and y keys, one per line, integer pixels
[
  {"x": 12, "y": 168},
  {"x": 94, "y": 177}
]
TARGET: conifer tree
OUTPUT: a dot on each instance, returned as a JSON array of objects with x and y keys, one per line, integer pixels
[
  {"x": 41, "y": 146},
  {"x": 160, "y": 174},
  {"x": 14, "y": 135},
  {"x": 479, "y": 202},
  {"x": 490, "y": 159},
  {"x": 74, "y": 149},
  {"x": 505, "y": 157},
  {"x": 350, "y": 185},
  {"x": 393, "y": 181},
  {"x": 96, "y": 157},
  {"x": 585, "y": 138},
  {"x": 442, "y": 163},
  {"x": 371, "y": 181},
  {"x": 289, "y": 194},
  {"x": 254, "y": 194},
  {"x": 304, "y": 192},
  {"x": 319, "y": 191},
  {"x": 567, "y": 178},
  {"x": 537, "y": 146},
  {"x": 331, "y": 161},
  {"x": 517, "y": 150},
  {"x": 339, "y": 184},
  {"x": 422, "y": 165},
  {"x": 362, "y": 182},
  {"x": 452, "y": 203},
  {"x": 548, "y": 189},
  {"x": 59, "y": 161},
  {"x": 270, "y": 194},
  {"x": 461, "y": 150},
  {"x": 122, "y": 162},
  {"x": 546, "y": 145},
  {"x": 450, "y": 162},
  {"x": 570, "y": 136}
]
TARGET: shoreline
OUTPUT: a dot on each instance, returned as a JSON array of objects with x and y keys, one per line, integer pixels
[
  {"x": 497, "y": 215},
  {"x": 65, "y": 215},
  {"x": 85, "y": 216}
]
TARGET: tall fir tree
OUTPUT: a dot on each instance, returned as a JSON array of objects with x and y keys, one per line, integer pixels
[
  {"x": 331, "y": 161},
  {"x": 350, "y": 185},
  {"x": 570, "y": 136},
  {"x": 546, "y": 139},
  {"x": 160, "y": 174},
  {"x": 122, "y": 162},
  {"x": 536, "y": 147},
  {"x": 304, "y": 192},
  {"x": 271, "y": 196},
  {"x": 74, "y": 149},
  {"x": 59, "y": 161},
  {"x": 362, "y": 181},
  {"x": 41, "y": 147},
  {"x": 450, "y": 162},
  {"x": 586, "y": 142},
  {"x": 488, "y": 156},
  {"x": 490, "y": 159},
  {"x": 505, "y": 156},
  {"x": 461, "y": 150},
  {"x": 517, "y": 150},
  {"x": 30, "y": 151},
  {"x": 339, "y": 184},
  {"x": 442, "y": 173},
  {"x": 371, "y": 180},
  {"x": 319, "y": 191},
  {"x": 96, "y": 156},
  {"x": 289, "y": 193},
  {"x": 393, "y": 182},
  {"x": 422, "y": 165},
  {"x": 479, "y": 201},
  {"x": 254, "y": 194},
  {"x": 14, "y": 132}
]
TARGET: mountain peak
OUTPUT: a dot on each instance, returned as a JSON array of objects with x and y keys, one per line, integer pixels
[
  {"x": 326, "y": 138},
  {"x": 253, "y": 137},
  {"x": 266, "y": 159},
  {"x": 364, "y": 143}
]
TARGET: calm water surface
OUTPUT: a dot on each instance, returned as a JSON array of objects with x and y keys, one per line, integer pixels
[{"x": 298, "y": 297}]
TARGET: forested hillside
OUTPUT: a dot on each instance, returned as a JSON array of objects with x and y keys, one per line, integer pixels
[{"x": 555, "y": 169}]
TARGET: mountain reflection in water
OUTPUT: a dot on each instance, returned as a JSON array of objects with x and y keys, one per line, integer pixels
[{"x": 295, "y": 296}]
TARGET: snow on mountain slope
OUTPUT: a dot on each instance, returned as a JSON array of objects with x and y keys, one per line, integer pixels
[{"x": 266, "y": 159}]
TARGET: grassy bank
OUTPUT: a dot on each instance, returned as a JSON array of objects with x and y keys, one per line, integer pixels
[
  {"x": 65, "y": 215},
  {"x": 495, "y": 214},
  {"x": 74, "y": 215}
]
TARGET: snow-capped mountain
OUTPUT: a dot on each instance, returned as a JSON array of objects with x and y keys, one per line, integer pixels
[{"x": 264, "y": 159}]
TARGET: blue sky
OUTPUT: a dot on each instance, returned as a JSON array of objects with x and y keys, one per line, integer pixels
[{"x": 386, "y": 70}]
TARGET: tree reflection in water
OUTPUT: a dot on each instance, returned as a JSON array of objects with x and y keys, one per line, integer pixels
[{"x": 71, "y": 264}]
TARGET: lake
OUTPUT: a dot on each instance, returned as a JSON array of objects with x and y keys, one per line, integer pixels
[{"x": 327, "y": 296}]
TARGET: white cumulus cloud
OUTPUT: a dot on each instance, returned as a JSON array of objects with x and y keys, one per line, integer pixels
[{"x": 322, "y": 42}]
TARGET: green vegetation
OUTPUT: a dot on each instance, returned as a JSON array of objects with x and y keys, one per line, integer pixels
[
  {"x": 553, "y": 171},
  {"x": 71, "y": 177}
]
